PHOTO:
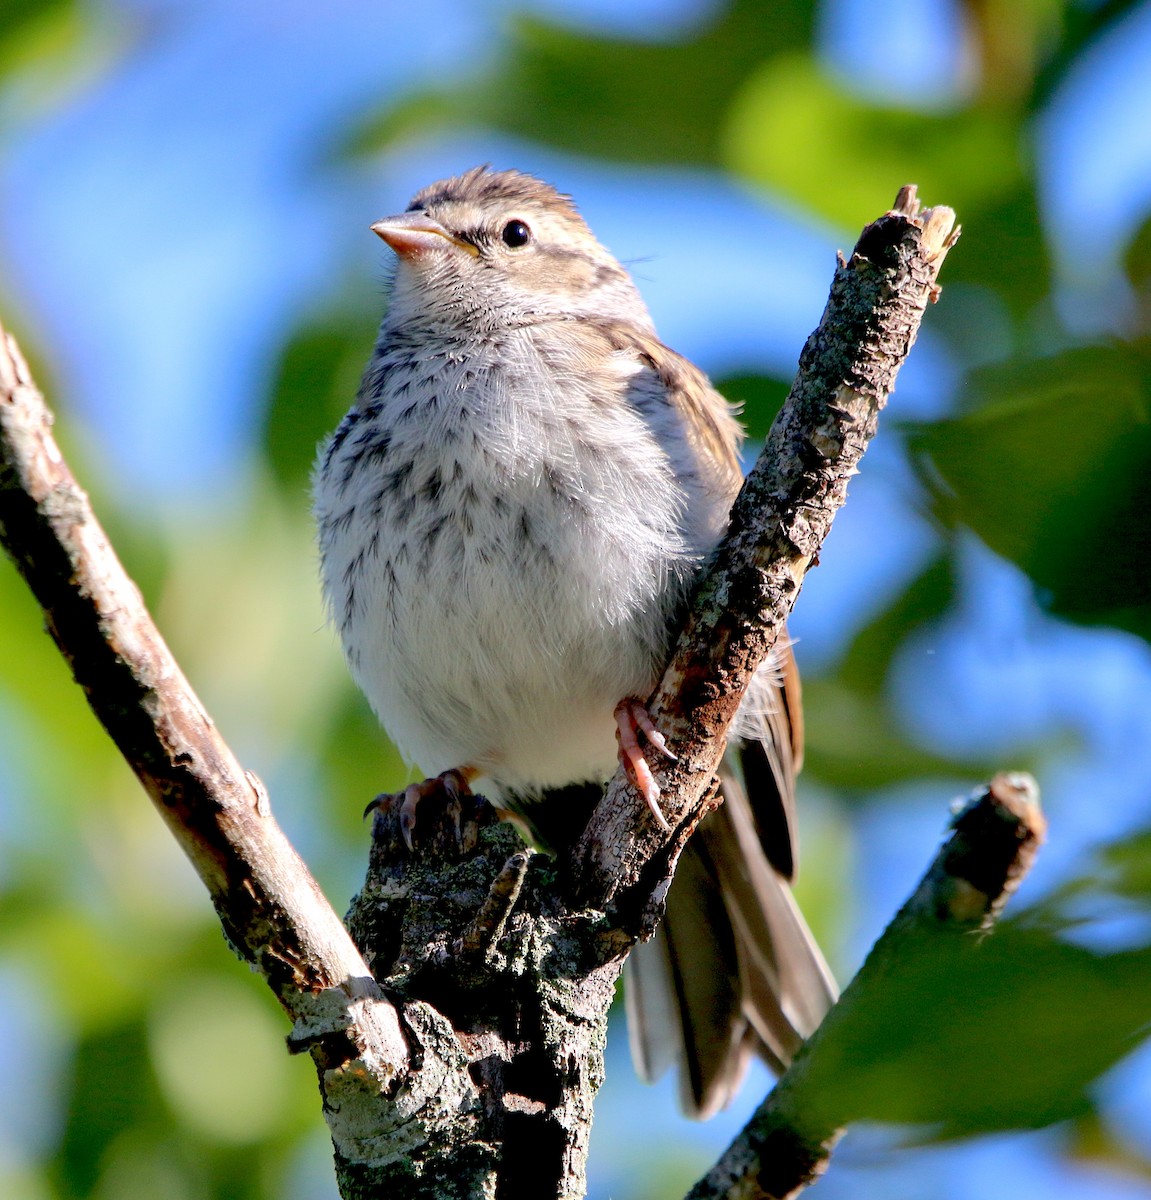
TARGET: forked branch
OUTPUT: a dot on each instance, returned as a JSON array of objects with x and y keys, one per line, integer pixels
[{"x": 388, "y": 1135}]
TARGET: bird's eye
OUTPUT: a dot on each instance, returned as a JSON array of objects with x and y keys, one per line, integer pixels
[{"x": 516, "y": 234}]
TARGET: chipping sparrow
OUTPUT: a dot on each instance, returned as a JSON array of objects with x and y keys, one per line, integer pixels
[{"x": 510, "y": 519}]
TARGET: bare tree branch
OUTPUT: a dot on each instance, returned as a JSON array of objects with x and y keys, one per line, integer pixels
[
  {"x": 846, "y": 372},
  {"x": 271, "y": 908},
  {"x": 786, "y": 1144}
]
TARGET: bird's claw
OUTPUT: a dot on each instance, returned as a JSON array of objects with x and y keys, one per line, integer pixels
[
  {"x": 632, "y": 718},
  {"x": 451, "y": 788}
]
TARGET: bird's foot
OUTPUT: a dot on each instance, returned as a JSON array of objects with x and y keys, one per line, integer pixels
[
  {"x": 632, "y": 719},
  {"x": 444, "y": 795}
]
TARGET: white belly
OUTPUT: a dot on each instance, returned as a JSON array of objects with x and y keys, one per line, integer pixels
[
  {"x": 499, "y": 654},
  {"x": 495, "y": 606}
]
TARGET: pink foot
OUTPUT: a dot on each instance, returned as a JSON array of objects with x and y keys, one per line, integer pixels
[{"x": 632, "y": 718}]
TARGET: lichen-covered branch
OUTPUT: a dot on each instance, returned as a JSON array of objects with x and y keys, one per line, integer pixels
[{"x": 786, "y": 1144}]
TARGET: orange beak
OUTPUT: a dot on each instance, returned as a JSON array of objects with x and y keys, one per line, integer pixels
[{"x": 415, "y": 233}]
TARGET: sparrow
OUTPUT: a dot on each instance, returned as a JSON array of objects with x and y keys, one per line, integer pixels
[{"x": 510, "y": 521}]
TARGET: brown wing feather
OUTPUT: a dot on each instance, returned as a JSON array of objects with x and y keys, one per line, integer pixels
[
  {"x": 770, "y": 763},
  {"x": 708, "y": 418},
  {"x": 733, "y": 967}
]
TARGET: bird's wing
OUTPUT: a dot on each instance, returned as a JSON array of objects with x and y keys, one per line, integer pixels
[{"x": 707, "y": 419}]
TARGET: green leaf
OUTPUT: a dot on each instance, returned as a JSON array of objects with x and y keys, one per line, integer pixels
[
  {"x": 632, "y": 101},
  {"x": 759, "y": 398},
  {"x": 1124, "y": 867},
  {"x": 19, "y": 18},
  {"x": 1052, "y": 469},
  {"x": 991, "y": 1038},
  {"x": 1083, "y": 27},
  {"x": 926, "y": 598},
  {"x": 796, "y": 130},
  {"x": 112, "y": 1089},
  {"x": 856, "y": 743}
]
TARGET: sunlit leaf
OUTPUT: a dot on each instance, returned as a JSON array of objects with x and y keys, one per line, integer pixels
[
  {"x": 1011, "y": 38},
  {"x": 649, "y": 101},
  {"x": 20, "y": 19},
  {"x": 218, "y": 1051},
  {"x": 798, "y": 131},
  {"x": 51, "y": 49}
]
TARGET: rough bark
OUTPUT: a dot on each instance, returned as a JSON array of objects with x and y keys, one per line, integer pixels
[{"x": 479, "y": 1079}]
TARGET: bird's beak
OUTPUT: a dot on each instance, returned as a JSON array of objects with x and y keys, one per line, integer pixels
[{"x": 415, "y": 233}]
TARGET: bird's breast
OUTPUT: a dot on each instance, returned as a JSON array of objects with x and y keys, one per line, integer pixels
[{"x": 502, "y": 562}]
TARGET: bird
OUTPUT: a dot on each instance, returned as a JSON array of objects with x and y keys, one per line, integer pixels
[{"x": 510, "y": 520}]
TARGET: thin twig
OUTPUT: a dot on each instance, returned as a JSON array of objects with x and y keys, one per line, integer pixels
[{"x": 786, "y": 1144}]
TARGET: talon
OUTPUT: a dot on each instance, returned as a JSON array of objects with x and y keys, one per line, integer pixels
[
  {"x": 412, "y": 795},
  {"x": 456, "y": 788},
  {"x": 455, "y": 784},
  {"x": 450, "y": 788},
  {"x": 631, "y": 716},
  {"x": 643, "y": 719}
]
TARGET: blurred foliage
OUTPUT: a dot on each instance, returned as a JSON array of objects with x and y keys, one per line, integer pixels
[
  {"x": 1051, "y": 466},
  {"x": 791, "y": 104},
  {"x": 169, "y": 1078},
  {"x": 586, "y": 93},
  {"x": 20, "y": 19},
  {"x": 971, "y": 1043},
  {"x": 318, "y": 371}
]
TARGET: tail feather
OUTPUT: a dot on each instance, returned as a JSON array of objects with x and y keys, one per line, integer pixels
[{"x": 733, "y": 967}]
